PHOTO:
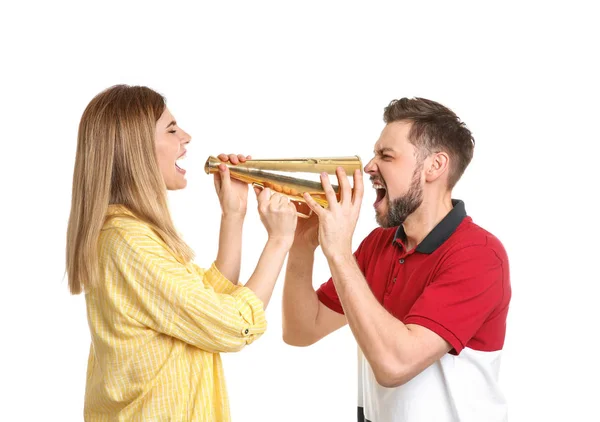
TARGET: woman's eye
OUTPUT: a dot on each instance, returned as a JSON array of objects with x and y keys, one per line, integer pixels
[{"x": 173, "y": 131}]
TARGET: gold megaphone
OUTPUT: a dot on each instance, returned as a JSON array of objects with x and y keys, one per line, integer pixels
[{"x": 290, "y": 176}]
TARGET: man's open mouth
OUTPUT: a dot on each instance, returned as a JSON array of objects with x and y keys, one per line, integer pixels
[{"x": 381, "y": 192}]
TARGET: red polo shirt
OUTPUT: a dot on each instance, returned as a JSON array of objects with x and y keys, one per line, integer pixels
[{"x": 455, "y": 282}]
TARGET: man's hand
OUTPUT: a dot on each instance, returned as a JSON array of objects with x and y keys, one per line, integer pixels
[
  {"x": 306, "y": 229},
  {"x": 338, "y": 221}
]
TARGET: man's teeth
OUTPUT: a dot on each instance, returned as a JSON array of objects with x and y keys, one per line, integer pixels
[{"x": 378, "y": 186}]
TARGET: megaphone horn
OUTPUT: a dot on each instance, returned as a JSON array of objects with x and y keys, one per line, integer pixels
[{"x": 289, "y": 176}]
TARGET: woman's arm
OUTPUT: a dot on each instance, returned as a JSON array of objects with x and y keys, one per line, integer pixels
[
  {"x": 233, "y": 197},
  {"x": 163, "y": 294}
]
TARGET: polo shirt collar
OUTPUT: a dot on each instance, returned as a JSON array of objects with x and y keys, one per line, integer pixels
[{"x": 441, "y": 232}]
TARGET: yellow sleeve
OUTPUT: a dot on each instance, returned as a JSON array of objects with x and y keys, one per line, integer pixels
[
  {"x": 164, "y": 295},
  {"x": 216, "y": 279}
]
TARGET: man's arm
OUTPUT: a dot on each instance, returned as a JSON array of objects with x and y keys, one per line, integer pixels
[
  {"x": 305, "y": 319},
  {"x": 437, "y": 322},
  {"x": 396, "y": 352}
]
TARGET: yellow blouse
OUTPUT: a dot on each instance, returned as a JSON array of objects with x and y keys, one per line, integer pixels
[{"x": 157, "y": 328}]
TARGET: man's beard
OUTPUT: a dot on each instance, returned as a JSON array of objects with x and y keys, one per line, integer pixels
[{"x": 400, "y": 208}]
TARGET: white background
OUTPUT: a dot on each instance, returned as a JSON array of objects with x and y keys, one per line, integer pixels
[{"x": 308, "y": 78}]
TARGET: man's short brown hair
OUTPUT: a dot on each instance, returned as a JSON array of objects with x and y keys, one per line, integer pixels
[{"x": 434, "y": 128}]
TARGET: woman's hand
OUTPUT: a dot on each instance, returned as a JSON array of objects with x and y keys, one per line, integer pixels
[
  {"x": 278, "y": 215},
  {"x": 233, "y": 194}
]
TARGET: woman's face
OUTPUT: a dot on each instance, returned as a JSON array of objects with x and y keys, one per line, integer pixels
[{"x": 171, "y": 141}]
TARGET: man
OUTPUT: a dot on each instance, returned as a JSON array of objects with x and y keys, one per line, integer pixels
[{"x": 426, "y": 294}]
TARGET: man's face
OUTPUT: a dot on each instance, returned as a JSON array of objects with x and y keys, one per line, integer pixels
[{"x": 396, "y": 174}]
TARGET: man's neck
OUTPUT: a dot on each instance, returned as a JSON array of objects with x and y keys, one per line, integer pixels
[{"x": 418, "y": 225}]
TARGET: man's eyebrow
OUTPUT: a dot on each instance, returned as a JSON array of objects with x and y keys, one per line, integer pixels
[
  {"x": 173, "y": 123},
  {"x": 383, "y": 150}
]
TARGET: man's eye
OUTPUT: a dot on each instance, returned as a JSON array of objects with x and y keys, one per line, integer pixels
[{"x": 173, "y": 131}]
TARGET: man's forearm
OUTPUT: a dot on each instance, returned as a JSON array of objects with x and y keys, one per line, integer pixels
[
  {"x": 300, "y": 302},
  {"x": 376, "y": 331},
  {"x": 230, "y": 247}
]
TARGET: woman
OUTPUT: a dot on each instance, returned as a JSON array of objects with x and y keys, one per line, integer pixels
[{"x": 158, "y": 322}]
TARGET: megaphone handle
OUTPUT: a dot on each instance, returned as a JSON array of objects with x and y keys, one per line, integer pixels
[{"x": 301, "y": 215}]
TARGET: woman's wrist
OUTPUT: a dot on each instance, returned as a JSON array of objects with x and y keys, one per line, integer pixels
[
  {"x": 233, "y": 215},
  {"x": 284, "y": 241}
]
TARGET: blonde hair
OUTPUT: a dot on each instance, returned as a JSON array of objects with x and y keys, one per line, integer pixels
[{"x": 116, "y": 163}]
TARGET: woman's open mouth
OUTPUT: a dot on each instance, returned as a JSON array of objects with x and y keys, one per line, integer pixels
[{"x": 181, "y": 157}]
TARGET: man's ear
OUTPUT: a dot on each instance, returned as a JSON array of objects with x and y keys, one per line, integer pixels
[{"x": 437, "y": 165}]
